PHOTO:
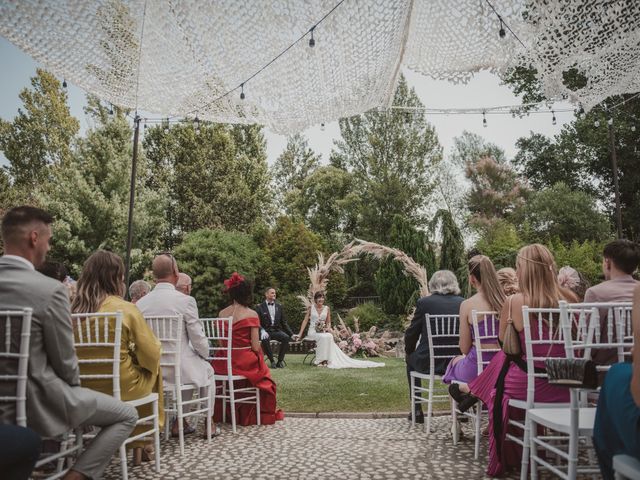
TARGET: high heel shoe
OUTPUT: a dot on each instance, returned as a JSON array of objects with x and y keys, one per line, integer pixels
[{"x": 143, "y": 454}]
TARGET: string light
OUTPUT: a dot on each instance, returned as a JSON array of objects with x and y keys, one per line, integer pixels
[
  {"x": 596, "y": 123},
  {"x": 111, "y": 109},
  {"x": 633, "y": 128},
  {"x": 64, "y": 83},
  {"x": 166, "y": 125},
  {"x": 322, "y": 127},
  {"x": 197, "y": 122},
  {"x": 553, "y": 118},
  {"x": 242, "y": 91},
  {"x": 312, "y": 41},
  {"x": 484, "y": 119},
  {"x": 502, "y": 32},
  {"x": 610, "y": 122}
]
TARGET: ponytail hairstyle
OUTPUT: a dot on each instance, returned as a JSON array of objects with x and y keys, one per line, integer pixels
[
  {"x": 102, "y": 275},
  {"x": 481, "y": 268}
]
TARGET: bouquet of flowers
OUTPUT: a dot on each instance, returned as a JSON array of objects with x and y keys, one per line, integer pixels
[
  {"x": 321, "y": 326},
  {"x": 356, "y": 343}
]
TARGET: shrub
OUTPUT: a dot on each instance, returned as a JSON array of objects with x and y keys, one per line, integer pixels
[
  {"x": 368, "y": 314},
  {"x": 210, "y": 256},
  {"x": 293, "y": 310},
  {"x": 585, "y": 257}
]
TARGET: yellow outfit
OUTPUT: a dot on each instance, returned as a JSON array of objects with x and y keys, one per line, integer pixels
[{"x": 140, "y": 351}]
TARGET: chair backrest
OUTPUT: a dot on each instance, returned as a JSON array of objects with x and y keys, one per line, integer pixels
[
  {"x": 15, "y": 333},
  {"x": 442, "y": 327},
  {"x": 97, "y": 339},
  {"x": 544, "y": 338},
  {"x": 587, "y": 320},
  {"x": 168, "y": 329},
  {"x": 486, "y": 341},
  {"x": 219, "y": 332}
]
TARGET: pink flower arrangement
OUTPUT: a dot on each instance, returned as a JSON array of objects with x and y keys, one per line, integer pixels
[{"x": 357, "y": 343}]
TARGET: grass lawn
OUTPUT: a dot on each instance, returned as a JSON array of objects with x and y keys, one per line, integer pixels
[{"x": 305, "y": 388}]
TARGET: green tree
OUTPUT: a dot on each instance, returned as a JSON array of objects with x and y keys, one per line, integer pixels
[
  {"x": 452, "y": 253},
  {"x": 586, "y": 257},
  {"x": 469, "y": 147},
  {"x": 290, "y": 171},
  {"x": 40, "y": 136},
  {"x": 392, "y": 156},
  {"x": 563, "y": 213},
  {"x": 211, "y": 256},
  {"x": 501, "y": 244},
  {"x": 291, "y": 248},
  {"x": 88, "y": 194},
  {"x": 396, "y": 290},
  {"x": 212, "y": 180}
]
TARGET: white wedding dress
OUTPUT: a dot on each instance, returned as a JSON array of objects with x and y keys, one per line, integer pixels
[{"x": 326, "y": 348}]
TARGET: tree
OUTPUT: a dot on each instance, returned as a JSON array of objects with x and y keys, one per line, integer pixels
[
  {"x": 501, "y": 244},
  {"x": 40, "y": 136},
  {"x": 396, "y": 290},
  {"x": 290, "y": 249},
  {"x": 451, "y": 246},
  {"x": 469, "y": 147},
  {"x": 212, "y": 180},
  {"x": 566, "y": 214},
  {"x": 391, "y": 156},
  {"x": 290, "y": 171},
  {"x": 496, "y": 192},
  {"x": 89, "y": 195},
  {"x": 211, "y": 256}
]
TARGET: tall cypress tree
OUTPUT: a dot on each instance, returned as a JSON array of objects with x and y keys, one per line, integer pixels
[
  {"x": 396, "y": 290},
  {"x": 452, "y": 255}
]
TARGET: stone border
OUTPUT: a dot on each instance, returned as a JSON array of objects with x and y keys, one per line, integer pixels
[{"x": 377, "y": 415}]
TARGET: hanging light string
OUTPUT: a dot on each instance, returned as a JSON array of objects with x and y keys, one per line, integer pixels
[
  {"x": 312, "y": 43},
  {"x": 505, "y": 24}
]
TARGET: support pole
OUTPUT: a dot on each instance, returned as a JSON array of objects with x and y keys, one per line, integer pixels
[
  {"x": 616, "y": 187},
  {"x": 132, "y": 196}
]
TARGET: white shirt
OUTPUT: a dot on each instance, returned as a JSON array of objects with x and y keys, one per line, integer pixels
[
  {"x": 20, "y": 259},
  {"x": 272, "y": 312}
]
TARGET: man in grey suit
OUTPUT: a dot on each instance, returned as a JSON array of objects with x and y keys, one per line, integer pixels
[{"x": 56, "y": 403}]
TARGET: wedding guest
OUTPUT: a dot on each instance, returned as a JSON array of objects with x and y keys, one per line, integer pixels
[
  {"x": 489, "y": 297},
  {"x": 55, "y": 401},
  {"x": 19, "y": 451},
  {"x": 505, "y": 377},
  {"x": 617, "y": 425},
  {"x": 165, "y": 300},
  {"x": 137, "y": 290},
  {"x": 508, "y": 280},
  {"x": 247, "y": 358},
  {"x": 444, "y": 299},
  {"x": 100, "y": 289},
  {"x": 274, "y": 326},
  {"x": 184, "y": 283},
  {"x": 573, "y": 280},
  {"x": 55, "y": 270},
  {"x": 620, "y": 260}
]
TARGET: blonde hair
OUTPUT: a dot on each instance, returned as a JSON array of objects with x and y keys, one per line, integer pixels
[
  {"x": 482, "y": 269},
  {"x": 538, "y": 277},
  {"x": 102, "y": 275},
  {"x": 508, "y": 281}
]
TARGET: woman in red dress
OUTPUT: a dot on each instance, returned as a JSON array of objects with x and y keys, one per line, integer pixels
[{"x": 247, "y": 358}]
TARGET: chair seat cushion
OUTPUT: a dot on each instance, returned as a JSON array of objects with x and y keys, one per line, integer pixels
[{"x": 559, "y": 419}]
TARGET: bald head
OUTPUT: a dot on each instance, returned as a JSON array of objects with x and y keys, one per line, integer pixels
[
  {"x": 184, "y": 283},
  {"x": 165, "y": 269}
]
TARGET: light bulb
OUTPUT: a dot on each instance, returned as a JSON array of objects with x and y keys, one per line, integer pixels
[
  {"x": 484, "y": 120},
  {"x": 596, "y": 123},
  {"x": 553, "y": 119},
  {"x": 502, "y": 33},
  {"x": 242, "y": 91},
  {"x": 322, "y": 127},
  {"x": 610, "y": 122},
  {"x": 64, "y": 83},
  {"x": 312, "y": 41},
  {"x": 633, "y": 128}
]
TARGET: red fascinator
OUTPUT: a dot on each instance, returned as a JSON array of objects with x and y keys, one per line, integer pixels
[{"x": 233, "y": 281}]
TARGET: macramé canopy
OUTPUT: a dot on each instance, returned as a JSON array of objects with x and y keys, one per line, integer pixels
[{"x": 180, "y": 57}]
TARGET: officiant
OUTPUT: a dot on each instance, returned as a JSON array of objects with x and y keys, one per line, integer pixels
[{"x": 274, "y": 327}]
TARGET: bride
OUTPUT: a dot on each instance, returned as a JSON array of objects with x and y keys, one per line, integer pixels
[{"x": 327, "y": 352}]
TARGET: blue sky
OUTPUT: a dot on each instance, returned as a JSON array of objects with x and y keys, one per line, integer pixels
[{"x": 484, "y": 90}]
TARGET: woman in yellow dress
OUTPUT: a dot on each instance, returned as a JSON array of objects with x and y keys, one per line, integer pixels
[{"x": 100, "y": 288}]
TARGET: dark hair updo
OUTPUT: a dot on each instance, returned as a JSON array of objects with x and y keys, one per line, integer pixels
[
  {"x": 239, "y": 289},
  {"x": 318, "y": 295}
]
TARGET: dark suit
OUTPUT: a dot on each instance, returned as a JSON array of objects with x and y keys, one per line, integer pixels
[
  {"x": 418, "y": 356},
  {"x": 277, "y": 328}
]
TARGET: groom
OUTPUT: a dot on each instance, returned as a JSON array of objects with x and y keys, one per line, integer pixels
[{"x": 274, "y": 327}]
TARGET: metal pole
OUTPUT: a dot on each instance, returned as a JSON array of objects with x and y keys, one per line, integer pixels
[
  {"x": 132, "y": 196},
  {"x": 616, "y": 187}
]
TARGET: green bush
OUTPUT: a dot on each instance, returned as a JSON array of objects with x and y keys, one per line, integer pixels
[
  {"x": 293, "y": 310},
  {"x": 368, "y": 314},
  {"x": 500, "y": 244},
  {"x": 211, "y": 256},
  {"x": 585, "y": 257}
]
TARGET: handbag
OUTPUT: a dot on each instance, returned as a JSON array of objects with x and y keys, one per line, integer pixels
[
  {"x": 572, "y": 372},
  {"x": 511, "y": 342}
]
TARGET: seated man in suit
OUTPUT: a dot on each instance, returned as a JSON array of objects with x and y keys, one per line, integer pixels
[
  {"x": 274, "y": 327},
  {"x": 165, "y": 300},
  {"x": 444, "y": 299},
  {"x": 56, "y": 403}
]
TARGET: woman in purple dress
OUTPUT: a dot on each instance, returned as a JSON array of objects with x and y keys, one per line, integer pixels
[{"x": 489, "y": 297}]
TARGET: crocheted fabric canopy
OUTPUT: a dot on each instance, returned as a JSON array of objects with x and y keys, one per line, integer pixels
[{"x": 180, "y": 57}]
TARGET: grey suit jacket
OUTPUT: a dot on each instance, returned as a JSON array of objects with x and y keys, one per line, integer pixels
[{"x": 55, "y": 401}]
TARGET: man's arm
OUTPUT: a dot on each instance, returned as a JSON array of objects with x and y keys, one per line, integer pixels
[
  {"x": 58, "y": 337},
  {"x": 412, "y": 334},
  {"x": 263, "y": 322},
  {"x": 285, "y": 325},
  {"x": 195, "y": 332}
]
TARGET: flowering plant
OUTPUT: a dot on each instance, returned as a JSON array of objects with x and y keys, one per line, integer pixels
[
  {"x": 233, "y": 281},
  {"x": 321, "y": 326},
  {"x": 356, "y": 343}
]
